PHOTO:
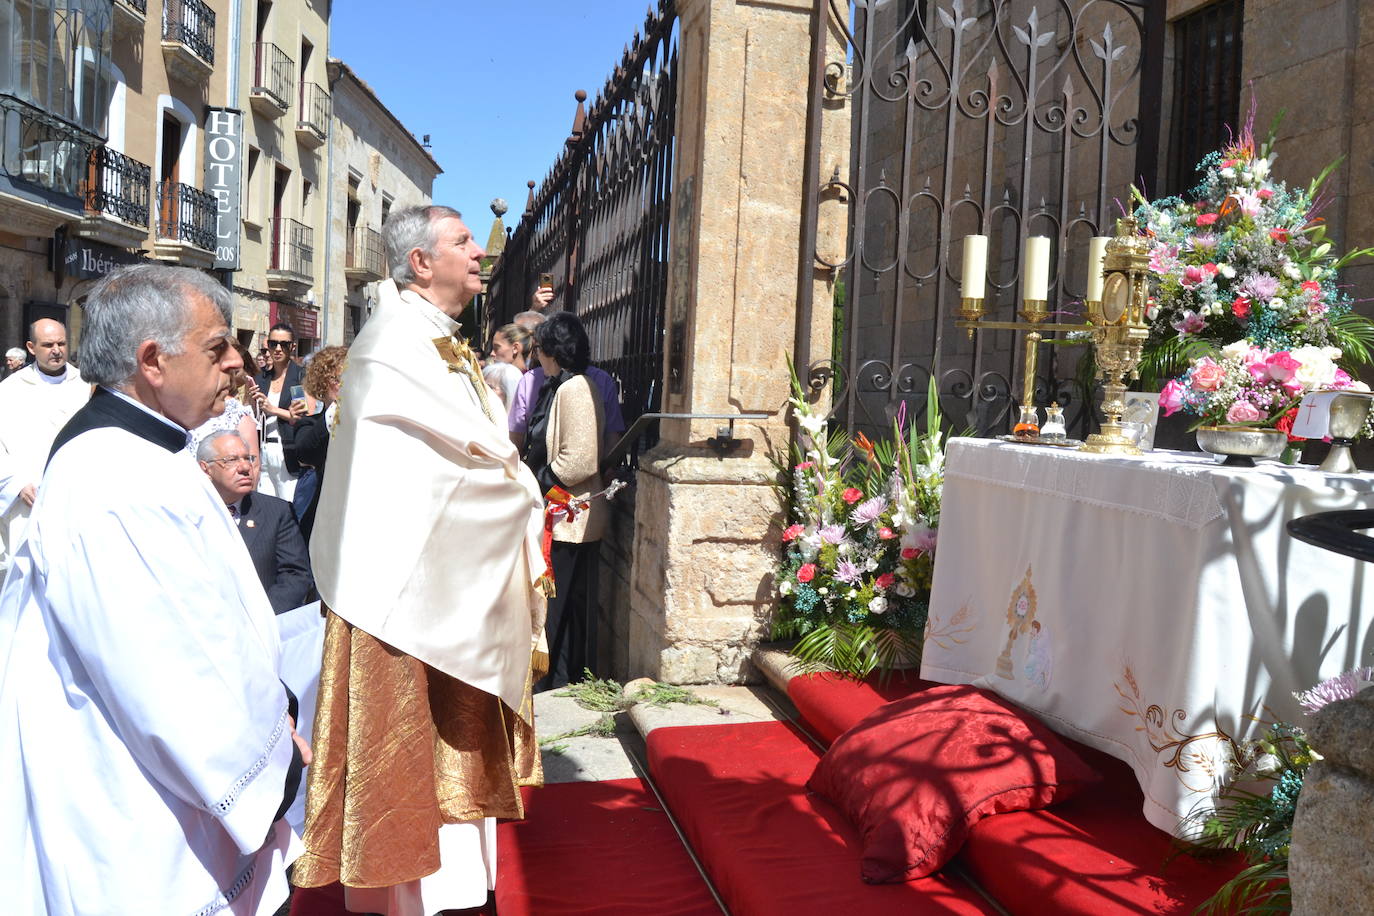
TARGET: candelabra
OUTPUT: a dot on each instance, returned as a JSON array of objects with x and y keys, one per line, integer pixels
[{"x": 1118, "y": 293}]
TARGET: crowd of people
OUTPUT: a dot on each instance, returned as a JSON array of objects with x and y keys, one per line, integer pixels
[{"x": 165, "y": 502}]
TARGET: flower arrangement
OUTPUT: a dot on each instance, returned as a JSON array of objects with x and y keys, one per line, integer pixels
[
  {"x": 1259, "y": 824},
  {"x": 1249, "y": 385},
  {"x": 1246, "y": 258},
  {"x": 857, "y": 553}
]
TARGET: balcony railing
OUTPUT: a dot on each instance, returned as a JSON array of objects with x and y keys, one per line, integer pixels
[
  {"x": 186, "y": 214},
  {"x": 41, "y": 149},
  {"x": 191, "y": 23},
  {"x": 140, "y": 5},
  {"x": 274, "y": 74},
  {"x": 293, "y": 247},
  {"x": 364, "y": 255},
  {"x": 118, "y": 186},
  {"x": 314, "y": 115}
]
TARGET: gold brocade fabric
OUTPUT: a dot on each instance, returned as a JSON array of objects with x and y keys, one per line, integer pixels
[{"x": 400, "y": 749}]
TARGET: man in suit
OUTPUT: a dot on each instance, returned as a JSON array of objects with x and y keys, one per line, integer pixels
[{"x": 267, "y": 524}]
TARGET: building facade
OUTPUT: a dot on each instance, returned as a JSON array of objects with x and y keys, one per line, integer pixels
[
  {"x": 103, "y": 159},
  {"x": 376, "y": 165},
  {"x": 282, "y": 93}
]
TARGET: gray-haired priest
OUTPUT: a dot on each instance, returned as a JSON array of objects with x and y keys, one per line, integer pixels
[
  {"x": 147, "y": 747},
  {"x": 426, "y": 549}
]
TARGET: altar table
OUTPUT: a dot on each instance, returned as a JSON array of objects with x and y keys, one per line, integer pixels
[{"x": 1153, "y": 607}]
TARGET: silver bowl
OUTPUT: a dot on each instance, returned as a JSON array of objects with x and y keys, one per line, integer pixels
[{"x": 1241, "y": 444}]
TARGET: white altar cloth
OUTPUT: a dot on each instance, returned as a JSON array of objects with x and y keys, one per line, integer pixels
[{"x": 1152, "y": 607}]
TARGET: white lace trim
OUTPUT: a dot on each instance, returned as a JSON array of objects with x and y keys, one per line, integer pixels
[
  {"x": 226, "y": 804},
  {"x": 1177, "y": 487},
  {"x": 226, "y": 897}
]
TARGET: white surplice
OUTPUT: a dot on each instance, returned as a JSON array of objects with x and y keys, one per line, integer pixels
[
  {"x": 33, "y": 408},
  {"x": 428, "y": 537},
  {"x": 144, "y": 734}
]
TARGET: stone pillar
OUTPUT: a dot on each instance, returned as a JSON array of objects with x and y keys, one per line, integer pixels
[
  {"x": 705, "y": 523},
  {"x": 1329, "y": 865}
]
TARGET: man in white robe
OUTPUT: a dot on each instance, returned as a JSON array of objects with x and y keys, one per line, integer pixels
[
  {"x": 426, "y": 548},
  {"x": 147, "y": 746},
  {"x": 35, "y": 402}
]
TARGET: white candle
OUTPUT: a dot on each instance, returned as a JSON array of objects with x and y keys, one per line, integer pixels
[
  {"x": 1035, "y": 269},
  {"x": 975, "y": 266},
  {"x": 1097, "y": 250}
]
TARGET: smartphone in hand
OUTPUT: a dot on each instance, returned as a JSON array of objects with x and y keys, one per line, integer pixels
[{"x": 297, "y": 393}]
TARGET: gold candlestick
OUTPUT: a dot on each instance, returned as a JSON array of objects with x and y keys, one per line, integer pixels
[{"x": 1120, "y": 328}]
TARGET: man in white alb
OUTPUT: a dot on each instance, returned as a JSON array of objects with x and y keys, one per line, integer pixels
[
  {"x": 147, "y": 746},
  {"x": 35, "y": 402}
]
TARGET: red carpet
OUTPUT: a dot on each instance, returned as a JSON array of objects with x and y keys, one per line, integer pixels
[
  {"x": 771, "y": 848},
  {"x": 585, "y": 848},
  {"x": 596, "y": 848}
]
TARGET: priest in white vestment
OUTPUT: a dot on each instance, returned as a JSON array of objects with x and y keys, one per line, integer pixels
[
  {"x": 426, "y": 550},
  {"x": 147, "y": 746},
  {"x": 35, "y": 402}
]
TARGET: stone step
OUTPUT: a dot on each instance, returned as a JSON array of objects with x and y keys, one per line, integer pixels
[{"x": 733, "y": 705}]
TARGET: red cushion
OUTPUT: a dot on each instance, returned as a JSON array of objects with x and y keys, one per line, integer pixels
[
  {"x": 915, "y": 774},
  {"x": 832, "y": 704},
  {"x": 770, "y": 848},
  {"x": 1094, "y": 855}
]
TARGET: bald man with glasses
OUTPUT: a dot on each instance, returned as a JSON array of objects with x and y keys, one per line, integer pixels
[{"x": 267, "y": 524}]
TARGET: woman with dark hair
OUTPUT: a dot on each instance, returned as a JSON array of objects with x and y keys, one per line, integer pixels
[
  {"x": 322, "y": 378},
  {"x": 563, "y": 449}
]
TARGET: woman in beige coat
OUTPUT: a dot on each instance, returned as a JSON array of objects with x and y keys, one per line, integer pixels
[{"x": 563, "y": 450}]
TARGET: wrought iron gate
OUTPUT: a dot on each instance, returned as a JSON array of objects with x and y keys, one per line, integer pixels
[
  {"x": 1001, "y": 117},
  {"x": 598, "y": 224}
]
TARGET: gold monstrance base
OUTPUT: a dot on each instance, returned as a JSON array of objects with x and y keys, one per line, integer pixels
[{"x": 1111, "y": 441}]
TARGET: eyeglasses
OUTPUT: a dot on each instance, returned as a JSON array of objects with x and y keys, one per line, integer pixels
[
  {"x": 280, "y": 344},
  {"x": 229, "y": 461}
]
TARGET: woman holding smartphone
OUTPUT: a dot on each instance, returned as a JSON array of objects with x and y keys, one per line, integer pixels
[{"x": 282, "y": 401}]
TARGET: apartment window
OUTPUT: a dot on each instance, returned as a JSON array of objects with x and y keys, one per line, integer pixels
[
  {"x": 252, "y": 211},
  {"x": 386, "y": 207},
  {"x": 1207, "y": 47},
  {"x": 307, "y": 200}
]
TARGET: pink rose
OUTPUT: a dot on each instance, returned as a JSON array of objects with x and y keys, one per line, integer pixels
[
  {"x": 1341, "y": 380},
  {"x": 1279, "y": 234},
  {"x": 1171, "y": 398},
  {"x": 1244, "y": 412},
  {"x": 1308, "y": 286},
  {"x": 1281, "y": 366},
  {"x": 910, "y": 553},
  {"x": 886, "y": 580},
  {"x": 1265, "y": 194},
  {"x": 1241, "y": 307},
  {"x": 806, "y": 573},
  {"x": 792, "y": 533},
  {"x": 886, "y": 534},
  {"x": 1207, "y": 375},
  {"x": 853, "y": 495},
  {"x": 805, "y": 466},
  {"x": 1207, "y": 219}
]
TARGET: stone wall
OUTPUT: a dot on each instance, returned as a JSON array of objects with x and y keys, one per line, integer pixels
[
  {"x": 1313, "y": 60},
  {"x": 700, "y": 589},
  {"x": 1330, "y": 866}
]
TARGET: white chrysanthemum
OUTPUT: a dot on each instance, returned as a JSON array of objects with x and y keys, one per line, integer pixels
[
  {"x": 906, "y": 591},
  {"x": 1292, "y": 271},
  {"x": 785, "y": 587},
  {"x": 1228, "y": 172},
  {"x": 1227, "y": 271},
  {"x": 878, "y": 605}
]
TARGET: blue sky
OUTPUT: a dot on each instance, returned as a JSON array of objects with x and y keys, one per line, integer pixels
[{"x": 492, "y": 84}]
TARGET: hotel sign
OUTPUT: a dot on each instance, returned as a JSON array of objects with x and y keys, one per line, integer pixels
[{"x": 223, "y": 180}]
